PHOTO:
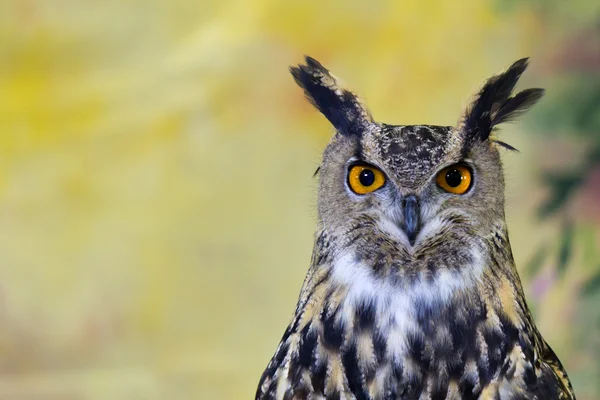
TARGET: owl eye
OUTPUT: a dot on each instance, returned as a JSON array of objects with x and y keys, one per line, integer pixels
[
  {"x": 364, "y": 179},
  {"x": 455, "y": 179}
]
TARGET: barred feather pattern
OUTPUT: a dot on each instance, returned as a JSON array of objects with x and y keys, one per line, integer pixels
[{"x": 481, "y": 343}]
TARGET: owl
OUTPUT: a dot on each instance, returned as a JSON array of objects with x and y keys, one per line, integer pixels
[{"x": 412, "y": 290}]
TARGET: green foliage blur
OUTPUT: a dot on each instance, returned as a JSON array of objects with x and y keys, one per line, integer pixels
[
  {"x": 571, "y": 117},
  {"x": 157, "y": 205}
]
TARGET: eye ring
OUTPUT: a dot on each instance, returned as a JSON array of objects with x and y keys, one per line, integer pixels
[
  {"x": 364, "y": 178},
  {"x": 455, "y": 179}
]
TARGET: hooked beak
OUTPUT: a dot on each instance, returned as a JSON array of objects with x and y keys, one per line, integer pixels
[{"x": 411, "y": 211}]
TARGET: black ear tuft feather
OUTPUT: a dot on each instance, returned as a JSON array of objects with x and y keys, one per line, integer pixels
[
  {"x": 341, "y": 107},
  {"x": 494, "y": 105},
  {"x": 505, "y": 145},
  {"x": 517, "y": 105}
]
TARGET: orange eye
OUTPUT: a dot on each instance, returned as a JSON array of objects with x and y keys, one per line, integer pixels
[
  {"x": 454, "y": 179},
  {"x": 365, "y": 179}
]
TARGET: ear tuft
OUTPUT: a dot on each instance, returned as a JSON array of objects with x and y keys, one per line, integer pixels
[
  {"x": 505, "y": 145},
  {"x": 517, "y": 105},
  {"x": 494, "y": 105},
  {"x": 340, "y": 106}
]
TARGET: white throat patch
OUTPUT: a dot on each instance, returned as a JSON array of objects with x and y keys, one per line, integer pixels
[{"x": 395, "y": 307}]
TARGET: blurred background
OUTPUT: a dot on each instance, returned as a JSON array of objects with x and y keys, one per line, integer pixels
[{"x": 157, "y": 204}]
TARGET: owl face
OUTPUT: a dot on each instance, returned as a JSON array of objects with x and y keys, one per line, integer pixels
[
  {"x": 412, "y": 192},
  {"x": 418, "y": 185}
]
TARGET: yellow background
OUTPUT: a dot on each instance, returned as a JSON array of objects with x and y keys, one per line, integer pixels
[{"x": 157, "y": 204}]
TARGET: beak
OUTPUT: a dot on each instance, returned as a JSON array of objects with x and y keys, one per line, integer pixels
[{"x": 411, "y": 210}]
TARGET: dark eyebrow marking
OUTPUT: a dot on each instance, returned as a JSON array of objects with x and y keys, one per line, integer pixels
[{"x": 359, "y": 151}]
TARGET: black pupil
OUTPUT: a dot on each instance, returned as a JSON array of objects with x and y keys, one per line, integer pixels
[
  {"x": 453, "y": 178},
  {"x": 366, "y": 177}
]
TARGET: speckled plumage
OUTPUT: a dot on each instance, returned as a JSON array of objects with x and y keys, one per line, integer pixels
[{"x": 444, "y": 317}]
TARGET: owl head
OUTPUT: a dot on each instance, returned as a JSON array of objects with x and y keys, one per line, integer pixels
[{"x": 415, "y": 187}]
